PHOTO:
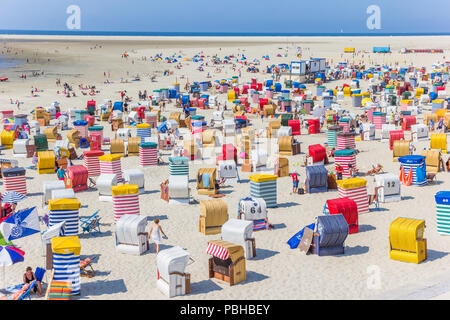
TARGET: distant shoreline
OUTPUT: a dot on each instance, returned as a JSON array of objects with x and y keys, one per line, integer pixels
[{"x": 215, "y": 34}]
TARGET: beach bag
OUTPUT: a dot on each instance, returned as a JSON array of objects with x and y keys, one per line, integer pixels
[{"x": 301, "y": 191}]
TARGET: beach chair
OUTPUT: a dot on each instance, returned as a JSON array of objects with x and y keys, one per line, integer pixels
[
  {"x": 84, "y": 264},
  {"x": 84, "y": 220},
  {"x": 17, "y": 292},
  {"x": 92, "y": 183},
  {"x": 93, "y": 227}
]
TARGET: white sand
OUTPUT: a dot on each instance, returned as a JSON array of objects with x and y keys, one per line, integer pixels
[{"x": 278, "y": 272}]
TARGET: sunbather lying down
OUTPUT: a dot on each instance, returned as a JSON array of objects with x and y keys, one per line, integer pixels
[{"x": 374, "y": 170}]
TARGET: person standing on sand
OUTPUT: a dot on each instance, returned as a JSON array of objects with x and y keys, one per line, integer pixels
[{"x": 155, "y": 234}]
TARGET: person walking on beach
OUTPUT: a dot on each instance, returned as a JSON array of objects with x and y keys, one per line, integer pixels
[
  {"x": 155, "y": 234},
  {"x": 294, "y": 176}
]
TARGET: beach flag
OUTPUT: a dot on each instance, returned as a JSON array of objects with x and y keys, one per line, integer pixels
[{"x": 20, "y": 224}]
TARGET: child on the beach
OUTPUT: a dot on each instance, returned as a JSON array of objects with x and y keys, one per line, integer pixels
[{"x": 294, "y": 175}]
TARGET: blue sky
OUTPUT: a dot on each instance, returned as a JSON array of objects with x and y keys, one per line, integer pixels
[{"x": 288, "y": 16}]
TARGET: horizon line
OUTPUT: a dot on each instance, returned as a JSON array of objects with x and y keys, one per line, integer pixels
[{"x": 212, "y": 34}]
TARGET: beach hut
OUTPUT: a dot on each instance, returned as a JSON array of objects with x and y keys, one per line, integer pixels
[
  {"x": 20, "y": 148},
  {"x": 355, "y": 189},
  {"x": 395, "y": 135},
  {"x": 65, "y": 210},
  {"x": 151, "y": 118},
  {"x": 172, "y": 278},
  {"x": 288, "y": 146},
  {"x": 213, "y": 214},
  {"x": 317, "y": 154},
  {"x": 368, "y": 132},
  {"x": 419, "y": 132},
  {"x": 329, "y": 236},
  {"x": 400, "y": 149},
  {"x": 125, "y": 200},
  {"x": 415, "y": 163},
  {"x": 82, "y": 127},
  {"x": 77, "y": 177},
  {"x": 284, "y": 131},
  {"x": 439, "y": 141},
  {"x": 63, "y": 194},
  {"x": 389, "y": 187},
  {"x": 46, "y": 162},
  {"x": 264, "y": 186},
  {"x": 209, "y": 138},
  {"x": 229, "y": 127},
  {"x": 49, "y": 186},
  {"x": 348, "y": 208},
  {"x": 66, "y": 261},
  {"x": 96, "y": 133},
  {"x": 346, "y": 140},
  {"x": 91, "y": 162},
  {"x": 131, "y": 236},
  {"x": 240, "y": 232},
  {"x": 133, "y": 146},
  {"x": 148, "y": 154},
  {"x": 179, "y": 192},
  {"x": 385, "y": 131},
  {"x": 408, "y": 121},
  {"x": 227, "y": 262},
  {"x": 206, "y": 181},
  {"x": 7, "y": 139},
  {"x": 316, "y": 179},
  {"x": 406, "y": 241},
  {"x": 227, "y": 170},
  {"x": 191, "y": 149},
  {"x": 104, "y": 183},
  {"x": 379, "y": 118},
  {"x": 111, "y": 163},
  {"x": 332, "y": 135},
  {"x": 272, "y": 130},
  {"x": 313, "y": 126},
  {"x": 135, "y": 176},
  {"x": 442, "y": 199},
  {"x": 295, "y": 125},
  {"x": 255, "y": 210},
  {"x": 14, "y": 180},
  {"x": 74, "y": 138},
  {"x": 143, "y": 130},
  {"x": 433, "y": 160},
  {"x": 51, "y": 133}
]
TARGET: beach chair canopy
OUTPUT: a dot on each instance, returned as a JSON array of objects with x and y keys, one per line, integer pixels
[
  {"x": 224, "y": 250},
  {"x": 237, "y": 231}
]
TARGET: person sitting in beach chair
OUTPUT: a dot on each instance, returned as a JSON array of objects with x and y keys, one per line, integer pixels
[
  {"x": 374, "y": 170},
  {"x": 85, "y": 264},
  {"x": 29, "y": 277}
]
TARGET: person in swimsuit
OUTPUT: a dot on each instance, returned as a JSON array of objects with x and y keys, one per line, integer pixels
[
  {"x": 155, "y": 234},
  {"x": 29, "y": 277}
]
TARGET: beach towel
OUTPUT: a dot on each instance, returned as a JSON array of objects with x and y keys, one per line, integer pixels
[
  {"x": 295, "y": 240},
  {"x": 206, "y": 180}
]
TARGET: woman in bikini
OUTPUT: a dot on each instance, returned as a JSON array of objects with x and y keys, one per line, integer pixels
[{"x": 29, "y": 277}]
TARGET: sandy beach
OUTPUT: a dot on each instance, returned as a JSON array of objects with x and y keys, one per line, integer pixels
[{"x": 277, "y": 272}]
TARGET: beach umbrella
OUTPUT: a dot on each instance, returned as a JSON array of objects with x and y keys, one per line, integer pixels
[
  {"x": 12, "y": 197},
  {"x": 8, "y": 121},
  {"x": 9, "y": 256}
]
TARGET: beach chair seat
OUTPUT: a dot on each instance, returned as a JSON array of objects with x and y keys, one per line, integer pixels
[{"x": 87, "y": 263}]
